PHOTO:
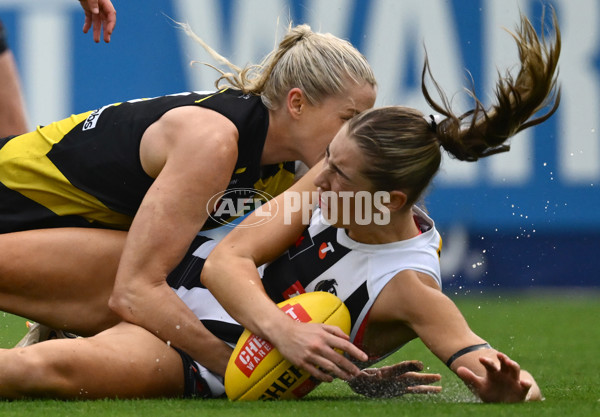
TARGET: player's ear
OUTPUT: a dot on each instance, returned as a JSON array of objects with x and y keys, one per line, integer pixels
[
  {"x": 397, "y": 200},
  {"x": 295, "y": 102}
]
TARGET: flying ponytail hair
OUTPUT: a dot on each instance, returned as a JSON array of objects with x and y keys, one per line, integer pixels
[
  {"x": 402, "y": 146},
  {"x": 479, "y": 132}
]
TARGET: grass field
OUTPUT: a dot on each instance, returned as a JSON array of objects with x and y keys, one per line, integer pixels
[{"x": 554, "y": 335}]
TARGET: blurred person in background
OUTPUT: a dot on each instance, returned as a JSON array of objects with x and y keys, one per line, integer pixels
[{"x": 99, "y": 15}]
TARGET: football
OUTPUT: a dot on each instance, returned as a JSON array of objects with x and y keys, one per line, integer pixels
[{"x": 257, "y": 371}]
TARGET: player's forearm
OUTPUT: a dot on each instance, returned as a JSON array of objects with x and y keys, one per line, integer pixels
[
  {"x": 160, "y": 311},
  {"x": 236, "y": 284}
]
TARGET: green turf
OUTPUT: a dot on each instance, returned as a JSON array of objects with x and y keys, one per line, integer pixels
[{"x": 553, "y": 335}]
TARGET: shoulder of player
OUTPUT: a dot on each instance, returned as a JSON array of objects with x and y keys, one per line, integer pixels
[{"x": 405, "y": 296}]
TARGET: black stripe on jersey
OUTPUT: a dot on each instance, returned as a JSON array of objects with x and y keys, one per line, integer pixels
[
  {"x": 321, "y": 253},
  {"x": 227, "y": 332},
  {"x": 18, "y": 212},
  {"x": 356, "y": 302},
  {"x": 187, "y": 273},
  {"x": 4, "y": 141}
]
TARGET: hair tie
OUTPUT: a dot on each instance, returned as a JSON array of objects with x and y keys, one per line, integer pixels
[{"x": 433, "y": 121}]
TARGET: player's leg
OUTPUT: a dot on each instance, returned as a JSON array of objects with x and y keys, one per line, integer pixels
[
  {"x": 61, "y": 277},
  {"x": 125, "y": 361}
]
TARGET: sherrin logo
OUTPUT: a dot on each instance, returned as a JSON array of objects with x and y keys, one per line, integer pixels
[
  {"x": 253, "y": 352},
  {"x": 285, "y": 381},
  {"x": 256, "y": 349}
]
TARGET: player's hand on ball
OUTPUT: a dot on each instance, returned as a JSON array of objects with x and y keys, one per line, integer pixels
[
  {"x": 312, "y": 346},
  {"x": 302, "y": 350},
  {"x": 395, "y": 380}
]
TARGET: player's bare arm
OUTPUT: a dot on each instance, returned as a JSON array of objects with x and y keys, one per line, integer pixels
[
  {"x": 436, "y": 320},
  {"x": 175, "y": 203}
]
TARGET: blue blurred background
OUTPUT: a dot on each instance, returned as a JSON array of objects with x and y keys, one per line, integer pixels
[{"x": 529, "y": 218}]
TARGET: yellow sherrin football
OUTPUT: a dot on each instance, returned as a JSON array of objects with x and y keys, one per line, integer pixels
[{"x": 257, "y": 371}]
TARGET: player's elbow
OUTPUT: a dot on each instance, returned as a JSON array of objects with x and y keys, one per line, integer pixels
[
  {"x": 121, "y": 303},
  {"x": 216, "y": 267},
  {"x": 209, "y": 270}
]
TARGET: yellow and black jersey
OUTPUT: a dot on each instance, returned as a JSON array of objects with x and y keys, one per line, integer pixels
[{"x": 86, "y": 171}]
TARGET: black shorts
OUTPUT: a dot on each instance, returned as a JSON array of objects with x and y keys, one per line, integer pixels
[{"x": 195, "y": 386}]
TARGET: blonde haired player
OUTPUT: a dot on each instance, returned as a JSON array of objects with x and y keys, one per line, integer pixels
[
  {"x": 150, "y": 166},
  {"x": 387, "y": 274}
]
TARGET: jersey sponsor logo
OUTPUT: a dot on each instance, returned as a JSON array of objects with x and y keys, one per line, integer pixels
[
  {"x": 324, "y": 249},
  {"x": 92, "y": 119}
]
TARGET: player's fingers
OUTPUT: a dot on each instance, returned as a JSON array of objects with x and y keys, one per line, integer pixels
[
  {"x": 341, "y": 367},
  {"x": 109, "y": 16},
  {"x": 509, "y": 366},
  {"x": 369, "y": 372},
  {"x": 401, "y": 368},
  {"x": 415, "y": 378},
  {"x": 327, "y": 368},
  {"x": 96, "y": 26},
  {"x": 525, "y": 385},
  {"x": 337, "y": 341},
  {"x": 87, "y": 24},
  {"x": 424, "y": 389},
  {"x": 93, "y": 5},
  {"x": 334, "y": 363},
  {"x": 317, "y": 373},
  {"x": 489, "y": 364},
  {"x": 468, "y": 376},
  {"x": 109, "y": 26},
  {"x": 106, "y": 35},
  {"x": 336, "y": 331}
]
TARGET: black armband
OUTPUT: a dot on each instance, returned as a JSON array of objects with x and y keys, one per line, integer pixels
[{"x": 466, "y": 350}]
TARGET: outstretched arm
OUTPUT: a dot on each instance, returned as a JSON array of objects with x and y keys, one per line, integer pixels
[
  {"x": 99, "y": 14},
  {"x": 491, "y": 375}
]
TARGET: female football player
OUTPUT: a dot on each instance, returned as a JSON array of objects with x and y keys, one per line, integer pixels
[
  {"x": 386, "y": 272},
  {"x": 152, "y": 166}
]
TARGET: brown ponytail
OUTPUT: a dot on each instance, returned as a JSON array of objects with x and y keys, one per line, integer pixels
[
  {"x": 402, "y": 146},
  {"x": 479, "y": 133}
]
